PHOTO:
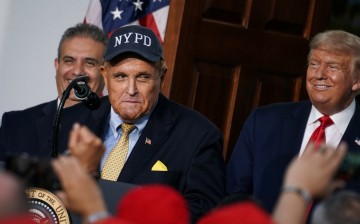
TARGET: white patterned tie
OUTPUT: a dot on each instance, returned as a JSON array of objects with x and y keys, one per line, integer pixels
[{"x": 116, "y": 160}]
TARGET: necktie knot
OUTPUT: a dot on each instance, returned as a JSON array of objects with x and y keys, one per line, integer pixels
[
  {"x": 325, "y": 121},
  {"x": 127, "y": 128},
  {"x": 318, "y": 135}
]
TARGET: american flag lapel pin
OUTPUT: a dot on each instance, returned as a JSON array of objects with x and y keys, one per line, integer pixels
[
  {"x": 147, "y": 141},
  {"x": 357, "y": 141}
]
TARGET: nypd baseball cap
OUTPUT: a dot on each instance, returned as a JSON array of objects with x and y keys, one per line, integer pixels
[{"x": 136, "y": 39}]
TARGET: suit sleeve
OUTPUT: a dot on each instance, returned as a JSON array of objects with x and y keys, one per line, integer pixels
[
  {"x": 240, "y": 165},
  {"x": 3, "y": 138},
  {"x": 205, "y": 185}
]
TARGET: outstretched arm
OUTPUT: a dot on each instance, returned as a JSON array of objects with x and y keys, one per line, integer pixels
[
  {"x": 86, "y": 147},
  {"x": 80, "y": 191},
  {"x": 307, "y": 177}
]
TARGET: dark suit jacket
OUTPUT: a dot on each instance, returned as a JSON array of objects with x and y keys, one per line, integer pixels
[
  {"x": 187, "y": 143},
  {"x": 31, "y": 130},
  {"x": 184, "y": 140},
  {"x": 270, "y": 138}
]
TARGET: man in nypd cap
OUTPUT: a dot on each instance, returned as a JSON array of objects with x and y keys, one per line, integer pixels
[{"x": 167, "y": 142}]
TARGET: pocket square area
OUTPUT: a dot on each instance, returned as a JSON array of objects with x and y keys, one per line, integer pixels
[{"x": 159, "y": 166}]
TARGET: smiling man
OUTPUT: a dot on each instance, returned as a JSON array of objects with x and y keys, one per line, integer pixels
[
  {"x": 80, "y": 52},
  {"x": 274, "y": 134}
]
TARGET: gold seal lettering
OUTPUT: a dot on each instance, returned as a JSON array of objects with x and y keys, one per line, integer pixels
[{"x": 45, "y": 207}]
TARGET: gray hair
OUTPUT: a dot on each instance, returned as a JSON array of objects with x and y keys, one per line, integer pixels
[
  {"x": 342, "y": 207},
  {"x": 338, "y": 41},
  {"x": 162, "y": 67}
]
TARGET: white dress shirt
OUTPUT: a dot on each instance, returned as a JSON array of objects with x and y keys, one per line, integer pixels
[{"x": 334, "y": 132}]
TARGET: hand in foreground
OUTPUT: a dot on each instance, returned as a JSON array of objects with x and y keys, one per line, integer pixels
[
  {"x": 315, "y": 169},
  {"x": 86, "y": 147},
  {"x": 307, "y": 177},
  {"x": 80, "y": 191}
]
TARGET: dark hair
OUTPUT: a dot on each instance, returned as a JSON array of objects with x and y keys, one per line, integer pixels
[{"x": 83, "y": 30}]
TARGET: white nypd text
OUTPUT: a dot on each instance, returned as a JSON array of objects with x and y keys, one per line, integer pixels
[{"x": 136, "y": 38}]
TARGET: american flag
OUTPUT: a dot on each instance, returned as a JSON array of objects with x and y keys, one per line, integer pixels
[
  {"x": 147, "y": 141},
  {"x": 112, "y": 14}
]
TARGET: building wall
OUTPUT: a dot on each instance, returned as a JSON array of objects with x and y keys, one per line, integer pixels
[{"x": 29, "y": 36}]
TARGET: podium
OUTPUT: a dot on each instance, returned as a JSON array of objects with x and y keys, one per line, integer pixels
[{"x": 112, "y": 193}]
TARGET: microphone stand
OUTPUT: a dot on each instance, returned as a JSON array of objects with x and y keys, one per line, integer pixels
[{"x": 79, "y": 88}]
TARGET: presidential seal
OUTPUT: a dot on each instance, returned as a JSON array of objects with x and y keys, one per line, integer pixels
[{"x": 45, "y": 207}]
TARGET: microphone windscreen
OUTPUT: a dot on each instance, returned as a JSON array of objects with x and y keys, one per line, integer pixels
[{"x": 81, "y": 90}]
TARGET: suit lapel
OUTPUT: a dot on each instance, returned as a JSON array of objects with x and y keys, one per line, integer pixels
[
  {"x": 294, "y": 128},
  {"x": 155, "y": 131},
  {"x": 97, "y": 119},
  {"x": 43, "y": 124},
  {"x": 352, "y": 132}
]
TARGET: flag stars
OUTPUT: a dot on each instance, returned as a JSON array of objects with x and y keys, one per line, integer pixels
[
  {"x": 138, "y": 5},
  {"x": 117, "y": 13},
  {"x": 156, "y": 0}
]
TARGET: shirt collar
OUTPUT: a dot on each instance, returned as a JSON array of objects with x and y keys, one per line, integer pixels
[
  {"x": 341, "y": 119},
  {"x": 115, "y": 122}
]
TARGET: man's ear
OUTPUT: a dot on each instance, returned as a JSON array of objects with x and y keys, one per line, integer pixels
[
  {"x": 356, "y": 85},
  {"x": 103, "y": 73},
  {"x": 162, "y": 79},
  {"x": 56, "y": 63}
]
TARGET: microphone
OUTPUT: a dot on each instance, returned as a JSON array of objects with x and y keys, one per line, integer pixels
[{"x": 83, "y": 92}]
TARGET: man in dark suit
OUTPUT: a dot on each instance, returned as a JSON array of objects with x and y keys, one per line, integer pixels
[
  {"x": 170, "y": 144},
  {"x": 275, "y": 134},
  {"x": 80, "y": 52}
]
